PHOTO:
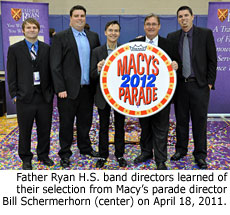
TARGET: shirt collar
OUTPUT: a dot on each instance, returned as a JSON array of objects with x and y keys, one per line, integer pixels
[
  {"x": 155, "y": 40},
  {"x": 189, "y": 33},
  {"x": 110, "y": 48},
  {"x": 29, "y": 44},
  {"x": 78, "y": 33}
]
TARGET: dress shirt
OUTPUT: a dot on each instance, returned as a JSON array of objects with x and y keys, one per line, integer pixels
[
  {"x": 29, "y": 44},
  {"x": 189, "y": 33},
  {"x": 84, "y": 54},
  {"x": 155, "y": 40},
  {"x": 109, "y": 50}
]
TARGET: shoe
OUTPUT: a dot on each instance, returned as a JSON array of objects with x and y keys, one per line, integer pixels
[
  {"x": 92, "y": 153},
  {"x": 47, "y": 161},
  {"x": 27, "y": 165},
  {"x": 161, "y": 166},
  {"x": 142, "y": 158},
  {"x": 201, "y": 163},
  {"x": 100, "y": 162},
  {"x": 177, "y": 156},
  {"x": 122, "y": 162},
  {"x": 65, "y": 162}
]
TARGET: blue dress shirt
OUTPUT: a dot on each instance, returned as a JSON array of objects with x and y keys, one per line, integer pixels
[
  {"x": 29, "y": 44},
  {"x": 84, "y": 54}
]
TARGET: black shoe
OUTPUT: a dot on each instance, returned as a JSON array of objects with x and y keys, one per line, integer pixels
[
  {"x": 201, "y": 163},
  {"x": 65, "y": 162},
  {"x": 92, "y": 153},
  {"x": 161, "y": 166},
  {"x": 177, "y": 156},
  {"x": 100, "y": 162},
  {"x": 142, "y": 158},
  {"x": 27, "y": 165},
  {"x": 47, "y": 161},
  {"x": 122, "y": 162}
]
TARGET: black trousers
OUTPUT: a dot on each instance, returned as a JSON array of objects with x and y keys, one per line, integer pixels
[
  {"x": 154, "y": 134},
  {"x": 82, "y": 109},
  {"x": 119, "y": 140},
  {"x": 191, "y": 101},
  {"x": 41, "y": 112}
]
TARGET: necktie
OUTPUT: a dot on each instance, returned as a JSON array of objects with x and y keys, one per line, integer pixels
[
  {"x": 151, "y": 42},
  {"x": 33, "y": 53},
  {"x": 186, "y": 57}
]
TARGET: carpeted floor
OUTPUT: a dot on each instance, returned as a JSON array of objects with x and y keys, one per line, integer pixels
[{"x": 218, "y": 147}]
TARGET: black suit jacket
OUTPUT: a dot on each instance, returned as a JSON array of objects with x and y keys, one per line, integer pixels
[
  {"x": 20, "y": 72},
  {"x": 65, "y": 62},
  {"x": 98, "y": 54},
  {"x": 204, "y": 59}
]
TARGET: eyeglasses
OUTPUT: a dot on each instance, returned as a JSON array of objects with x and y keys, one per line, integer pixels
[{"x": 151, "y": 24}]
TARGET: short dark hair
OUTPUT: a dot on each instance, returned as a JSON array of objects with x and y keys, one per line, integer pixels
[
  {"x": 152, "y": 15},
  {"x": 77, "y": 7},
  {"x": 184, "y": 8},
  {"x": 30, "y": 21},
  {"x": 113, "y": 22}
]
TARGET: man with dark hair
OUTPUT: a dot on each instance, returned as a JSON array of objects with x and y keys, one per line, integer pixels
[
  {"x": 154, "y": 129},
  {"x": 196, "y": 51},
  {"x": 112, "y": 32},
  {"x": 70, "y": 65},
  {"x": 30, "y": 86}
]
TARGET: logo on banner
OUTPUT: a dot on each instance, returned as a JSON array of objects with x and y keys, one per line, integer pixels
[
  {"x": 16, "y": 13},
  {"x": 137, "y": 79},
  {"x": 222, "y": 14},
  {"x": 24, "y": 13}
]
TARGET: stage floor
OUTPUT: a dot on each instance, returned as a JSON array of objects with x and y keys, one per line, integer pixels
[{"x": 218, "y": 147}]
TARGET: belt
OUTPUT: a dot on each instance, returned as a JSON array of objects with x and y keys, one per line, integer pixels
[{"x": 191, "y": 79}]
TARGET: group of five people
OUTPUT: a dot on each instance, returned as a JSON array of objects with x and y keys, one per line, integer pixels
[{"x": 71, "y": 68}]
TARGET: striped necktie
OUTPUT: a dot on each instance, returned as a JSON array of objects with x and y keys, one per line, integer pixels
[
  {"x": 33, "y": 52},
  {"x": 186, "y": 57}
]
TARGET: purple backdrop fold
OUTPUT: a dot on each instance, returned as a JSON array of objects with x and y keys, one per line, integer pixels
[
  {"x": 11, "y": 27},
  {"x": 220, "y": 99}
]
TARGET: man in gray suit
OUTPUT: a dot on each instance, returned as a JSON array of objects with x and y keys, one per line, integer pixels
[
  {"x": 112, "y": 32},
  {"x": 70, "y": 66}
]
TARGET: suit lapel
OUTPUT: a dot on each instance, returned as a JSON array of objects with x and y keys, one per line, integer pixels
[
  {"x": 89, "y": 39},
  {"x": 25, "y": 50},
  {"x": 40, "y": 51},
  {"x": 73, "y": 43},
  {"x": 104, "y": 52},
  {"x": 195, "y": 41}
]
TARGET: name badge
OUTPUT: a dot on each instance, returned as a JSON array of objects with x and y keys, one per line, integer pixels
[{"x": 36, "y": 78}]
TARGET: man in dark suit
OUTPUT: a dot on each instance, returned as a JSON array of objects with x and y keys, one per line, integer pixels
[
  {"x": 112, "y": 32},
  {"x": 197, "y": 52},
  {"x": 70, "y": 65},
  {"x": 30, "y": 86},
  {"x": 154, "y": 129}
]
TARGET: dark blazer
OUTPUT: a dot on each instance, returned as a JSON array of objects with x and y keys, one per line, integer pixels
[
  {"x": 20, "y": 71},
  {"x": 204, "y": 59},
  {"x": 65, "y": 62},
  {"x": 98, "y": 54}
]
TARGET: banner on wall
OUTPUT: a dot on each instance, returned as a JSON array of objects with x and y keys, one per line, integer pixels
[
  {"x": 137, "y": 79},
  {"x": 13, "y": 14},
  {"x": 219, "y": 23}
]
